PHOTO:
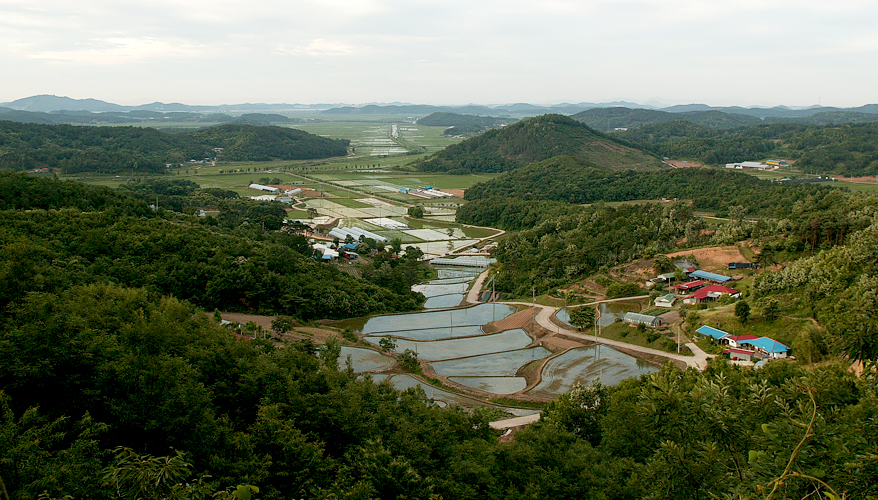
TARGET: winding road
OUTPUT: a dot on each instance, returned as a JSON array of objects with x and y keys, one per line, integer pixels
[{"x": 544, "y": 318}]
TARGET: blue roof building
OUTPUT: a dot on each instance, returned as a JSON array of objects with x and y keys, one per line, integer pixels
[
  {"x": 712, "y": 332},
  {"x": 769, "y": 346},
  {"x": 704, "y": 275}
]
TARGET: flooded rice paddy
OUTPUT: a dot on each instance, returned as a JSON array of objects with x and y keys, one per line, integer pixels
[
  {"x": 455, "y": 345},
  {"x": 462, "y": 347},
  {"x": 495, "y": 364},
  {"x": 481, "y": 314},
  {"x": 444, "y": 301},
  {"x": 494, "y": 385},
  {"x": 582, "y": 365},
  {"x": 364, "y": 360},
  {"x": 432, "y": 333}
]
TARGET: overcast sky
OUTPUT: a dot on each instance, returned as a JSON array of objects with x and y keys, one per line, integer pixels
[{"x": 727, "y": 52}]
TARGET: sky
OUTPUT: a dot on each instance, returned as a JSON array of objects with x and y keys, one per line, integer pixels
[{"x": 741, "y": 52}]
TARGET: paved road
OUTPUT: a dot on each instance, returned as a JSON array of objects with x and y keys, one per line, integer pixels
[
  {"x": 544, "y": 319},
  {"x": 514, "y": 422}
]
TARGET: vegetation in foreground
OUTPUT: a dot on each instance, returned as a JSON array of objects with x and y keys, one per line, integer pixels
[{"x": 113, "y": 387}]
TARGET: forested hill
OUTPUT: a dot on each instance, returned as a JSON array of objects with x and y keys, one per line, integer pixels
[
  {"x": 846, "y": 149},
  {"x": 574, "y": 180},
  {"x": 611, "y": 118},
  {"x": 533, "y": 140},
  {"x": 59, "y": 234},
  {"x": 74, "y": 149}
]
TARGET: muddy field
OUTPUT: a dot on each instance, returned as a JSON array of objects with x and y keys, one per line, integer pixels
[{"x": 713, "y": 259}]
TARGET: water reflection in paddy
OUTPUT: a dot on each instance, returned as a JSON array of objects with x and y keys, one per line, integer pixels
[
  {"x": 364, "y": 360},
  {"x": 481, "y": 314},
  {"x": 583, "y": 364},
  {"x": 443, "y": 397},
  {"x": 471, "y": 346},
  {"x": 433, "y": 333},
  {"x": 494, "y": 385},
  {"x": 494, "y": 364},
  {"x": 444, "y": 301}
]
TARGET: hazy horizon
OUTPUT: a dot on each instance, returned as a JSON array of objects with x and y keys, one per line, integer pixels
[{"x": 750, "y": 53}]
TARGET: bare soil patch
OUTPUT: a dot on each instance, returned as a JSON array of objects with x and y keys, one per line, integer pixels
[
  {"x": 456, "y": 192},
  {"x": 714, "y": 259},
  {"x": 263, "y": 321},
  {"x": 517, "y": 320},
  {"x": 682, "y": 164}
]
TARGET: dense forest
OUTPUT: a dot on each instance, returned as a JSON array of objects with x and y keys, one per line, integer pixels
[
  {"x": 123, "y": 393},
  {"x": 621, "y": 117},
  {"x": 58, "y": 235},
  {"x": 575, "y": 180},
  {"x": 847, "y": 149},
  {"x": 557, "y": 242},
  {"x": 72, "y": 149},
  {"x": 536, "y": 139}
]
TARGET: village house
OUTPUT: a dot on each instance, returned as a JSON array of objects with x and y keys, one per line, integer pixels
[{"x": 711, "y": 293}]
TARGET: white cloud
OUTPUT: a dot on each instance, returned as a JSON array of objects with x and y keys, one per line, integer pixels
[
  {"x": 120, "y": 50},
  {"x": 320, "y": 48}
]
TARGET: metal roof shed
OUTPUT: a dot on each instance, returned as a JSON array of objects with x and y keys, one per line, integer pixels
[
  {"x": 704, "y": 275},
  {"x": 712, "y": 332}
]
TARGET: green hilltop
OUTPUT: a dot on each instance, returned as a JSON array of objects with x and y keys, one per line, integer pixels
[{"x": 534, "y": 140}]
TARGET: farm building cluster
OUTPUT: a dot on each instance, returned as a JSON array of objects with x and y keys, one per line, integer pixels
[
  {"x": 757, "y": 165},
  {"x": 746, "y": 347},
  {"x": 695, "y": 286}
]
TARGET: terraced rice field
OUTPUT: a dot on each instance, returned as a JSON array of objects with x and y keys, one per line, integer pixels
[
  {"x": 364, "y": 360},
  {"x": 473, "y": 316},
  {"x": 584, "y": 364},
  {"x": 461, "y": 347}
]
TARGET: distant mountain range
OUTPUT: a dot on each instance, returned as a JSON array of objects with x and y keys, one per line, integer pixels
[
  {"x": 51, "y": 103},
  {"x": 602, "y": 116}
]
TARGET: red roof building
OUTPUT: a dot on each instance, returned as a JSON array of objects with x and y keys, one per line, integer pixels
[
  {"x": 711, "y": 292},
  {"x": 689, "y": 286}
]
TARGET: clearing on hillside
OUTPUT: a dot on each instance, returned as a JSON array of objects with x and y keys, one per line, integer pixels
[{"x": 714, "y": 259}]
